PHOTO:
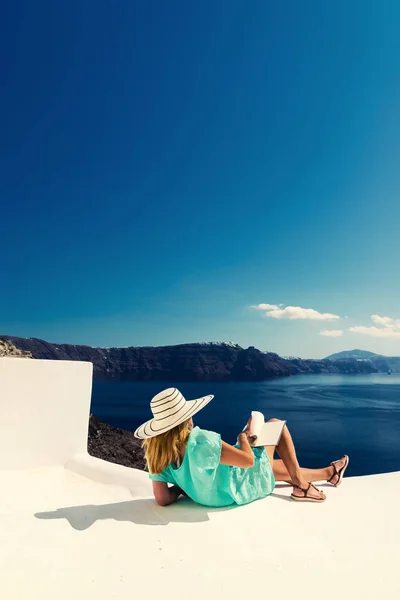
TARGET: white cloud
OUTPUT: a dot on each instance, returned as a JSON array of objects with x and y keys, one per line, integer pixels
[
  {"x": 382, "y": 320},
  {"x": 294, "y": 312},
  {"x": 266, "y": 307},
  {"x": 389, "y": 327},
  {"x": 382, "y": 332},
  {"x": 386, "y": 321},
  {"x": 331, "y": 332}
]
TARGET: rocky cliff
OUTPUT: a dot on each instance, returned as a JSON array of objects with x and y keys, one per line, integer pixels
[
  {"x": 185, "y": 362},
  {"x": 115, "y": 445},
  {"x": 7, "y": 348}
]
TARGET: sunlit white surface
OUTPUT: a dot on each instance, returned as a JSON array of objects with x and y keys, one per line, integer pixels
[{"x": 92, "y": 530}]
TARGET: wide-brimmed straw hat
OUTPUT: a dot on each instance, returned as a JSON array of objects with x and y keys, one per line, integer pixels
[{"x": 170, "y": 409}]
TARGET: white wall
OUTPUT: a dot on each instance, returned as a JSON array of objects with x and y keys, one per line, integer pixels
[{"x": 44, "y": 411}]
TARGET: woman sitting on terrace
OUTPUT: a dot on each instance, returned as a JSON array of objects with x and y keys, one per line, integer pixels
[{"x": 211, "y": 472}]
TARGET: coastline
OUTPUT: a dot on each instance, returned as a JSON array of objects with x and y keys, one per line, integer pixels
[{"x": 213, "y": 361}]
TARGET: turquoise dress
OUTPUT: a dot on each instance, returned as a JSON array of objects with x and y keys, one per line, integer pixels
[{"x": 207, "y": 482}]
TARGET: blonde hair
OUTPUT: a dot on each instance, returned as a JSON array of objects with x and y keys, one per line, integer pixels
[{"x": 162, "y": 450}]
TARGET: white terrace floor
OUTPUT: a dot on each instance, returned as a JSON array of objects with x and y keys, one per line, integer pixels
[{"x": 65, "y": 536}]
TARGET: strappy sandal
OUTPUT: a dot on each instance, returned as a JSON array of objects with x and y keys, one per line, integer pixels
[
  {"x": 306, "y": 497},
  {"x": 340, "y": 472}
]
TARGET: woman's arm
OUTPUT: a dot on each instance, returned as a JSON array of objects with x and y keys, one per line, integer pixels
[
  {"x": 238, "y": 457},
  {"x": 165, "y": 495}
]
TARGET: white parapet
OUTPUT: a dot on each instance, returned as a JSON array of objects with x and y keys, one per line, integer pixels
[
  {"x": 44, "y": 416},
  {"x": 44, "y": 411}
]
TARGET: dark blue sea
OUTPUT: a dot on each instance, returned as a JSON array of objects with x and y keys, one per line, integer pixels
[{"x": 328, "y": 415}]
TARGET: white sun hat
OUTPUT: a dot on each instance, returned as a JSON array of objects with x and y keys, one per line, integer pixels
[{"x": 170, "y": 408}]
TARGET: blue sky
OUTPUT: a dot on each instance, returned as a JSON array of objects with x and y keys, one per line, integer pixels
[{"x": 166, "y": 166}]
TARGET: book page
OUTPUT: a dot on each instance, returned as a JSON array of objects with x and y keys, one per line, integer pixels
[
  {"x": 270, "y": 434},
  {"x": 257, "y": 422},
  {"x": 267, "y": 434}
]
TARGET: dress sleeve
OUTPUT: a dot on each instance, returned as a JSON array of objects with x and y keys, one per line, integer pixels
[
  {"x": 206, "y": 451},
  {"x": 159, "y": 477}
]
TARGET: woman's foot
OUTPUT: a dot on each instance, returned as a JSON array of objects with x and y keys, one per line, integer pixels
[
  {"x": 307, "y": 491},
  {"x": 336, "y": 470}
]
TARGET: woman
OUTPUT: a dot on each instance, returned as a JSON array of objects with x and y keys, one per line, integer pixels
[{"x": 211, "y": 472}]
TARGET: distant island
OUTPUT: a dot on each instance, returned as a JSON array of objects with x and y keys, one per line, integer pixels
[
  {"x": 381, "y": 363},
  {"x": 213, "y": 361},
  {"x": 357, "y": 354}
]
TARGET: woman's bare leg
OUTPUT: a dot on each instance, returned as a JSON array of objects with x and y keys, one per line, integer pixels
[
  {"x": 287, "y": 452},
  {"x": 327, "y": 474},
  {"x": 282, "y": 474}
]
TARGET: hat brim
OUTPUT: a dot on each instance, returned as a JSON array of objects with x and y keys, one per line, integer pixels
[{"x": 151, "y": 428}]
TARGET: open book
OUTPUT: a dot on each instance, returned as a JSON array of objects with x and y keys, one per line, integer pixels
[{"x": 268, "y": 434}]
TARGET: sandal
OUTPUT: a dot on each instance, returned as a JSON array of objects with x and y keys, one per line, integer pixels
[
  {"x": 340, "y": 472},
  {"x": 306, "y": 498}
]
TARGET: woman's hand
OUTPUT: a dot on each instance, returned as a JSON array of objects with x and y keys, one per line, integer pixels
[{"x": 246, "y": 431}]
